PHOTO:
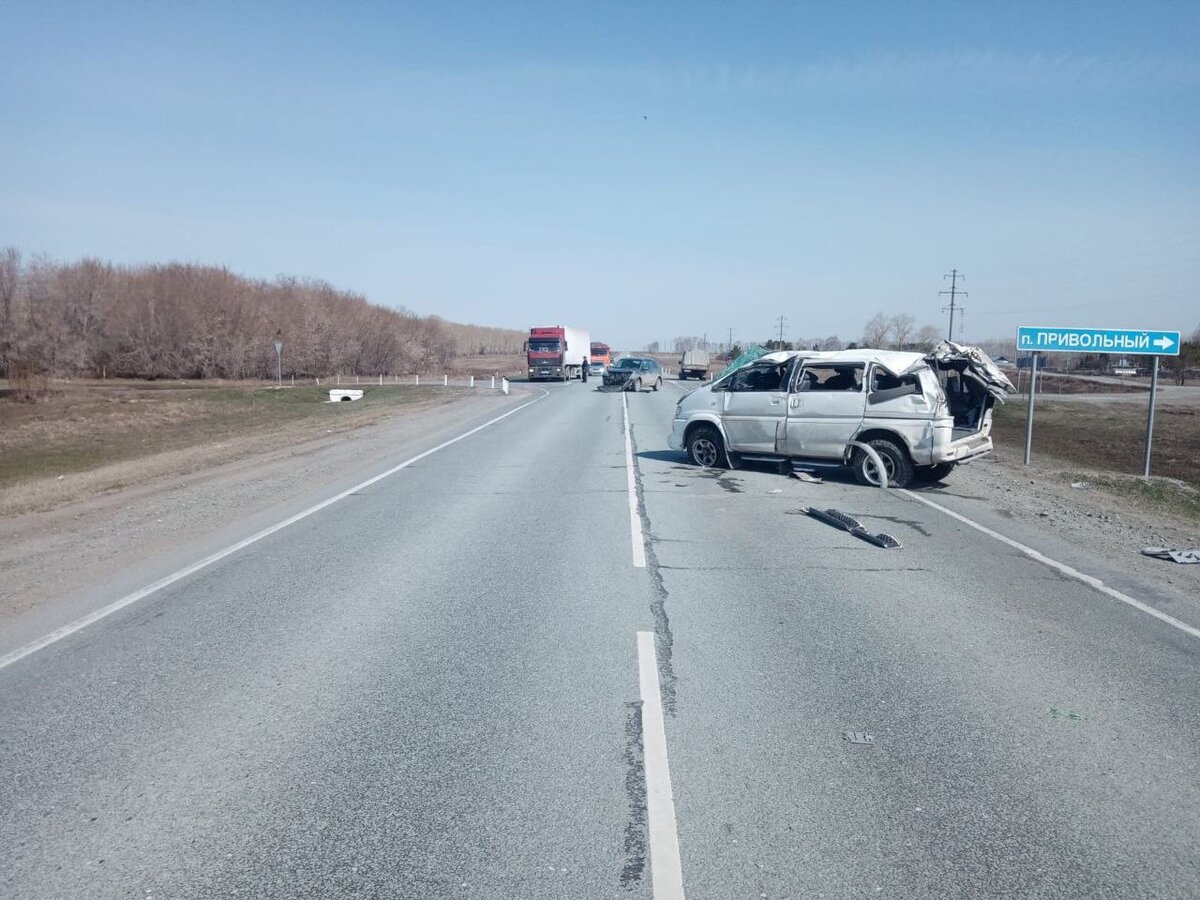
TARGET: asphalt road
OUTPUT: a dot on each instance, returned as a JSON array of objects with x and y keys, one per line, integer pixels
[{"x": 451, "y": 702}]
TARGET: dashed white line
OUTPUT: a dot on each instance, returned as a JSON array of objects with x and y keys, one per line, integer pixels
[
  {"x": 93, "y": 617},
  {"x": 666, "y": 870},
  {"x": 1089, "y": 580},
  {"x": 635, "y": 520}
]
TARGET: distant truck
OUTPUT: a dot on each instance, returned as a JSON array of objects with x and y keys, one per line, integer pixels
[
  {"x": 694, "y": 364},
  {"x": 556, "y": 353},
  {"x": 600, "y": 359}
]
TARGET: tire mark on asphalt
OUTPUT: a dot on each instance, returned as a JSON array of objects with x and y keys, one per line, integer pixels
[{"x": 635, "y": 792}]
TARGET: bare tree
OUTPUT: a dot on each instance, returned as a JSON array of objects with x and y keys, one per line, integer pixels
[
  {"x": 928, "y": 337},
  {"x": 188, "y": 321},
  {"x": 901, "y": 326},
  {"x": 876, "y": 331}
]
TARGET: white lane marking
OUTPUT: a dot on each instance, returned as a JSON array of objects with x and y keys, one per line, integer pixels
[
  {"x": 1089, "y": 580},
  {"x": 666, "y": 870},
  {"x": 93, "y": 617},
  {"x": 635, "y": 520}
]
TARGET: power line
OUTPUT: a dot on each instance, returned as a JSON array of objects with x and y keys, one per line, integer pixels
[{"x": 953, "y": 292}]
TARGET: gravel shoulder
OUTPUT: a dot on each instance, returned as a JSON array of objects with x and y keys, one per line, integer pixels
[{"x": 1070, "y": 509}]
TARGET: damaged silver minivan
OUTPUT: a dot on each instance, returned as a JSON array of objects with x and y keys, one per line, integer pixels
[{"x": 922, "y": 414}]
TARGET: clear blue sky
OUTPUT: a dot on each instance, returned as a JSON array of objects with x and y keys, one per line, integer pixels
[{"x": 643, "y": 170}]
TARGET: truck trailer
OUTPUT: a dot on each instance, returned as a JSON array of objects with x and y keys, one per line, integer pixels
[
  {"x": 556, "y": 352},
  {"x": 694, "y": 364}
]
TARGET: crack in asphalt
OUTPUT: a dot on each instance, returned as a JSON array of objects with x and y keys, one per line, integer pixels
[{"x": 664, "y": 641}]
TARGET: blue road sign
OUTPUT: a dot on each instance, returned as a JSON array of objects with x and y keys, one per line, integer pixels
[{"x": 1126, "y": 341}]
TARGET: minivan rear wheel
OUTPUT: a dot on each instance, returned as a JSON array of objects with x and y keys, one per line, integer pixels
[
  {"x": 896, "y": 463},
  {"x": 705, "y": 447}
]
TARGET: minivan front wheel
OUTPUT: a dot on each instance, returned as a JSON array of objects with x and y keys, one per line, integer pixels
[
  {"x": 705, "y": 448},
  {"x": 896, "y": 463}
]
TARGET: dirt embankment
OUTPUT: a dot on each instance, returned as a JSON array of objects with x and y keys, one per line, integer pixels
[{"x": 90, "y": 526}]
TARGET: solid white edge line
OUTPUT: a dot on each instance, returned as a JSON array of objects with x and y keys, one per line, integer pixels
[
  {"x": 666, "y": 869},
  {"x": 93, "y": 617},
  {"x": 635, "y": 520},
  {"x": 1089, "y": 580}
]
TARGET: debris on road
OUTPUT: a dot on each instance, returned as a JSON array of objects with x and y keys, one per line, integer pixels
[
  {"x": 859, "y": 737},
  {"x": 807, "y": 478},
  {"x": 839, "y": 519},
  {"x": 1082, "y": 485},
  {"x": 1189, "y": 556}
]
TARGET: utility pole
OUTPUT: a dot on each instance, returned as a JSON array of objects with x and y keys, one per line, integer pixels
[
  {"x": 954, "y": 292},
  {"x": 782, "y": 322}
]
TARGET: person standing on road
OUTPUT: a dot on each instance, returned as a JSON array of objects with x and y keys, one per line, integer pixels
[{"x": 585, "y": 365}]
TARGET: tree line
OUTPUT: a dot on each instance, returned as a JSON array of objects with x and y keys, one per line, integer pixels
[{"x": 178, "y": 320}]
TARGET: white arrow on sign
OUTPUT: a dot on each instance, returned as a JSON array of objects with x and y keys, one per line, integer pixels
[{"x": 1165, "y": 342}]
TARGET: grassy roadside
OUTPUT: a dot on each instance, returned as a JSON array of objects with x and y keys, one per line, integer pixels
[
  {"x": 83, "y": 426},
  {"x": 1104, "y": 446}
]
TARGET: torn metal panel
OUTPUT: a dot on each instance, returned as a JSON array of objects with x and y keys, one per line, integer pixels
[
  {"x": 1190, "y": 556},
  {"x": 974, "y": 364}
]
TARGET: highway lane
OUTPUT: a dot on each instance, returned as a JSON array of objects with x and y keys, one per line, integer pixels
[
  {"x": 1032, "y": 737},
  {"x": 448, "y": 705},
  {"x": 444, "y": 704}
]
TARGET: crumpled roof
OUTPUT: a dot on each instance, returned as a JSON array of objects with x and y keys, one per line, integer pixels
[
  {"x": 978, "y": 364},
  {"x": 895, "y": 361}
]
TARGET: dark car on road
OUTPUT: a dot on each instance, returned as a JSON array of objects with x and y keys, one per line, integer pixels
[{"x": 634, "y": 373}]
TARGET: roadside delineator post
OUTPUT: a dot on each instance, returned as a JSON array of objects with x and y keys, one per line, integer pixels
[
  {"x": 416, "y": 379},
  {"x": 493, "y": 381},
  {"x": 504, "y": 385},
  {"x": 445, "y": 381},
  {"x": 471, "y": 383}
]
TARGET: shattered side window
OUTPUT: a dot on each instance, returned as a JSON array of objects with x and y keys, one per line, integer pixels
[
  {"x": 759, "y": 378},
  {"x": 882, "y": 380},
  {"x": 831, "y": 378}
]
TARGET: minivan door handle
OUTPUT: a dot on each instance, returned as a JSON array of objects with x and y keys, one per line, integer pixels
[{"x": 794, "y": 403}]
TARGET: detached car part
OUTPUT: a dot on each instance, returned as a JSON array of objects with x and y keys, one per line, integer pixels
[{"x": 839, "y": 519}]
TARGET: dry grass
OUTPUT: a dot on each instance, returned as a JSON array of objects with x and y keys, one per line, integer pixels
[
  {"x": 81, "y": 426},
  {"x": 1108, "y": 438}
]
